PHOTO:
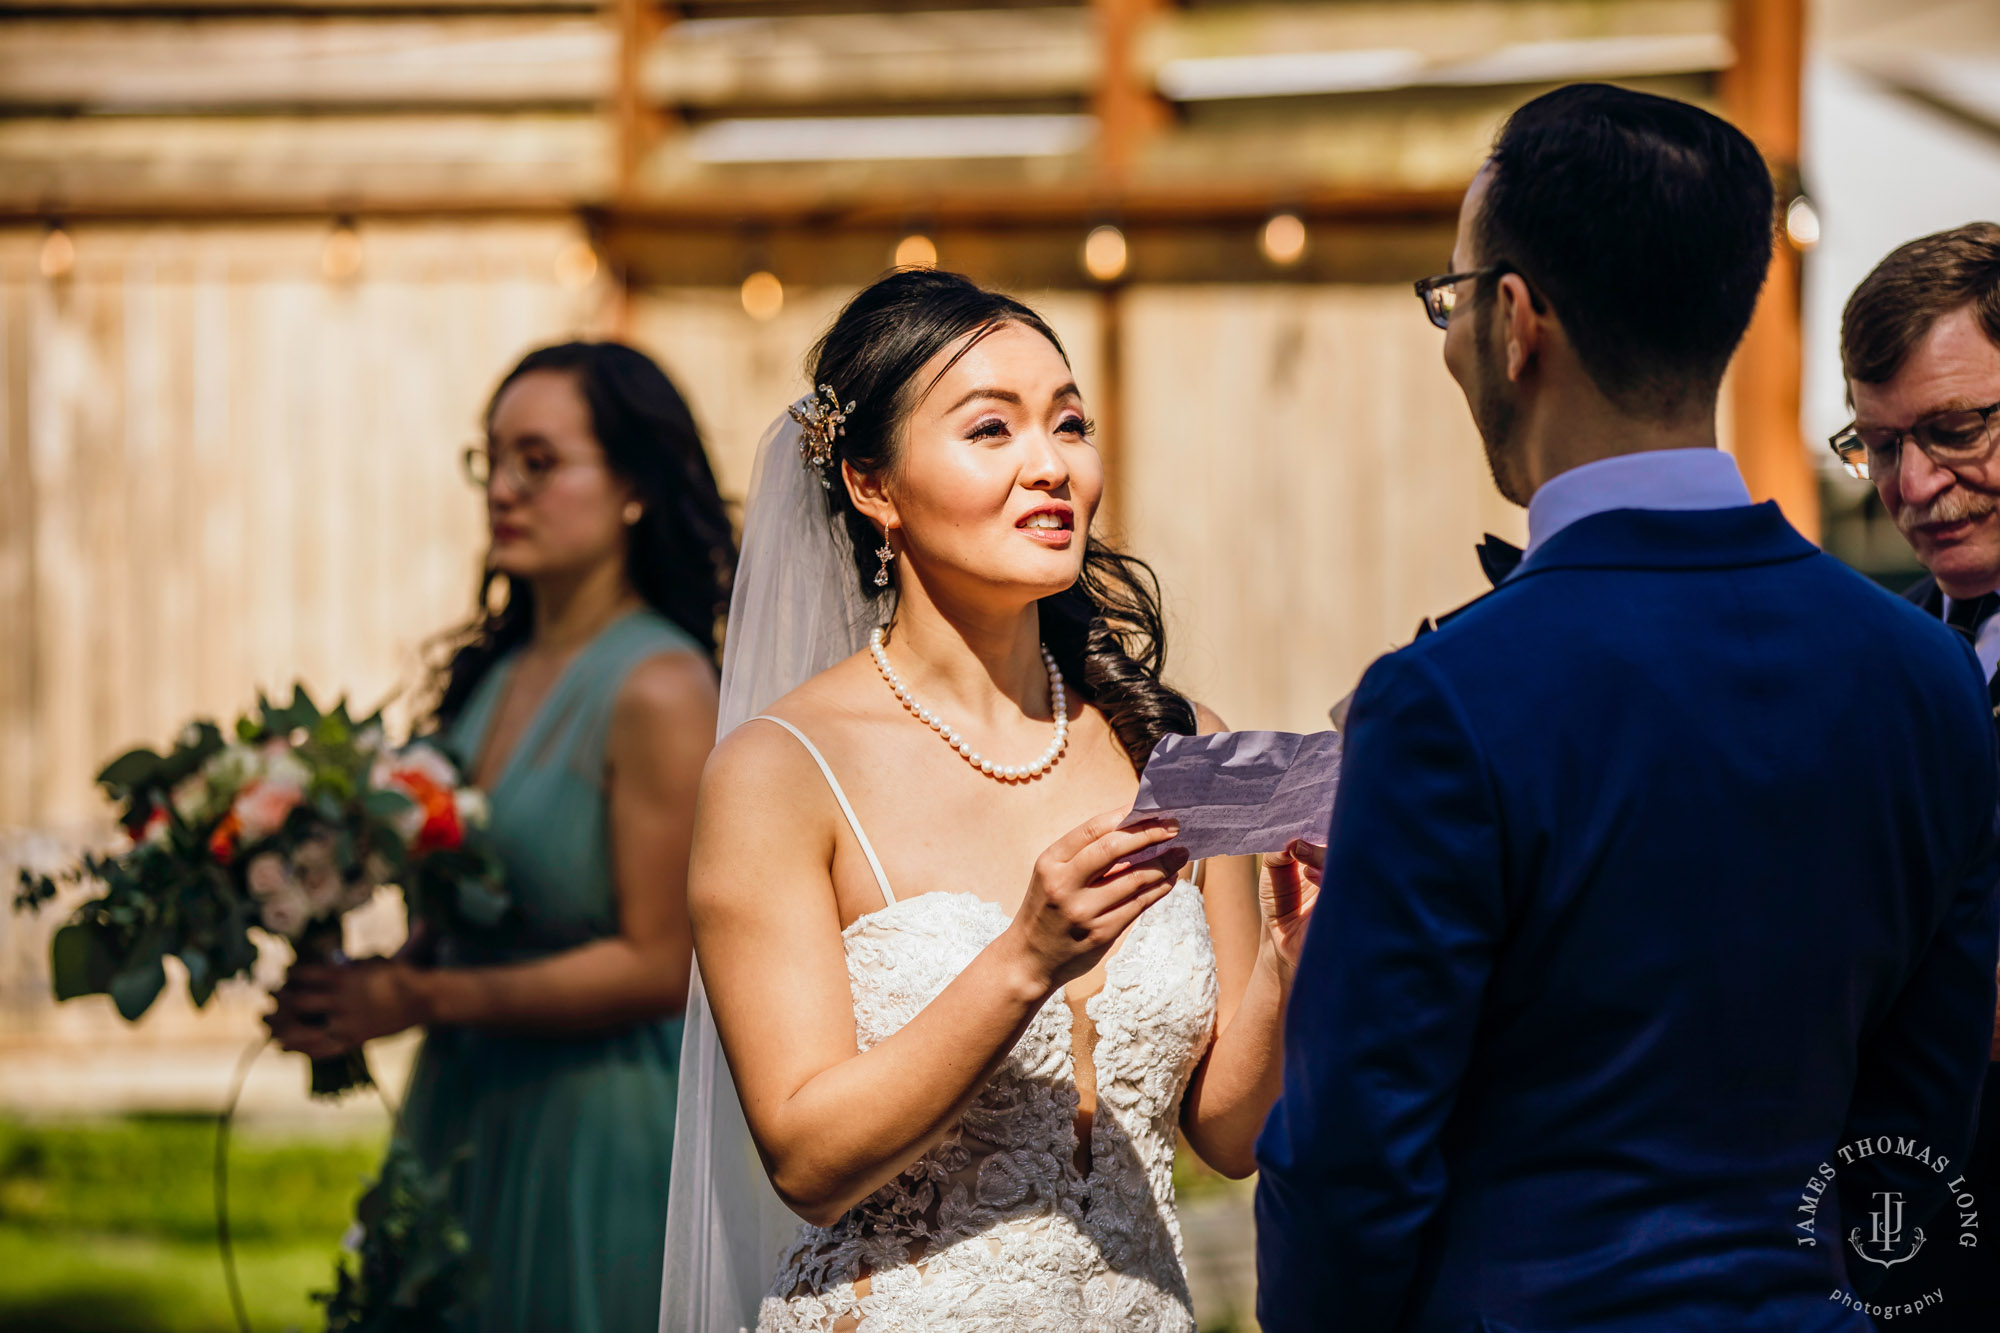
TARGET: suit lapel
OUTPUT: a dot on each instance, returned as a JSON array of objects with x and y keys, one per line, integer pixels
[{"x": 1926, "y": 594}]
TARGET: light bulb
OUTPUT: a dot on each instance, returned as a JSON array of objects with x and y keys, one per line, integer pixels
[
  {"x": 340, "y": 258},
  {"x": 1802, "y": 223},
  {"x": 576, "y": 264},
  {"x": 916, "y": 251},
  {"x": 1105, "y": 253},
  {"x": 763, "y": 296},
  {"x": 1284, "y": 240},
  {"x": 58, "y": 257}
]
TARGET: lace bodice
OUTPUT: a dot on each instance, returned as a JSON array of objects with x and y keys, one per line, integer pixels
[{"x": 996, "y": 1230}]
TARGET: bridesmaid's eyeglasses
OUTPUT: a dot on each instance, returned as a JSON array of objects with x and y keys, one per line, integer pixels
[{"x": 525, "y": 474}]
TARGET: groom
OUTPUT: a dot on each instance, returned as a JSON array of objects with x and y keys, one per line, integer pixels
[{"x": 1662, "y": 874}]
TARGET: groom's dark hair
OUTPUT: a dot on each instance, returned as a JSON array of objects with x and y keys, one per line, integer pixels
[{"x": 1645, "y": 223}]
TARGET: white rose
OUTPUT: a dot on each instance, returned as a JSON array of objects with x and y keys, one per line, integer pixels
[
  {"x": 282, "y": 766},
  {"x": 429, "y": 761},
  {"x": 286, "y": 912},
  {"x": 230, "y": 767},
  {"x": 409, "y": 822},
  {"x": 268, "y": 876},
  {"x": 190, "y": 797},
  {"x": 471, "y": 804},
  {"x": 263, "y": 806}
]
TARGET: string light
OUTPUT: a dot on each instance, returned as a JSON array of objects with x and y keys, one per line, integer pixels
[
  {"x": 763, "y": 296},
  {"x": 58, "y": 256},
  {"x": 1284, "y": 239},
  {"x": 1802, "y": 223},
  {"x": 916, "y": 251},
  {"x": 576, "y": 264},
  {"x": 1105, "y": 253},
  {"x": 340, "y": 257}
]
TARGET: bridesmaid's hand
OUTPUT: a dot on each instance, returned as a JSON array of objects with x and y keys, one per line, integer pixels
[
  {"x": 326, "y": 1010},
  {"x": 1287, "y": 891}
]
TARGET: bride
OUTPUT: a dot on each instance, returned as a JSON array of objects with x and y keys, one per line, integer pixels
[{"x": 962, "y": 1025}]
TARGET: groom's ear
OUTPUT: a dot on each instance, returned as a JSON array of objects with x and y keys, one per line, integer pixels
[
  {"x": 1523, "y": 324},
  {"x": 867, "y": 492}
]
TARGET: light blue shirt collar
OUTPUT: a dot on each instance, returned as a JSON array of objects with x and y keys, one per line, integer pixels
[{"x": 1656, "y": 479}]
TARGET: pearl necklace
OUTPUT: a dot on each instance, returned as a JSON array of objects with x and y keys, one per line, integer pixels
[{"x": 1002, "y": 772}]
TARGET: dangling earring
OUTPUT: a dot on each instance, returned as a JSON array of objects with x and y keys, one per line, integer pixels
[
  {"x": 634, "y": 511},
  {"x": 885, "y": 554}
]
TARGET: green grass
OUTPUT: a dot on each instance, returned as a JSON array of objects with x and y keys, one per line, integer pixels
[
  {"x": 109, "y": 1226},
  {"x": 83, "y": 1282}
]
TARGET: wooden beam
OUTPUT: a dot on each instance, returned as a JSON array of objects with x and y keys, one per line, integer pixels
[
  {"x": 239, "y": 63},
  {"x": 1127, "y": 108},
  {"x": 635, "y": 122},
  {"x": 1761, "y": 94}
]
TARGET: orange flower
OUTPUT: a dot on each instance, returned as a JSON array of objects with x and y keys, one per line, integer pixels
[
  {"x": 222, "y": 842},
  {"x": 441, "y": 828}
]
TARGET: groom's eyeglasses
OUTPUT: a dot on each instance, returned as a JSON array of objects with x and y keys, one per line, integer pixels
[
  {"x": 1440, "y": 294},
  {"x": 1950, "y": 439}
]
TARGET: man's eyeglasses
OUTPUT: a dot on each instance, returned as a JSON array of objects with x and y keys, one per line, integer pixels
[
  {"x": 524, "y": 474},
  {"x": 1949, "y": 439},
  {"x": 1440, "y": 294}
]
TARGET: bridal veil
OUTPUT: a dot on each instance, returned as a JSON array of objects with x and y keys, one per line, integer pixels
[{"x": 795, "y": 610}]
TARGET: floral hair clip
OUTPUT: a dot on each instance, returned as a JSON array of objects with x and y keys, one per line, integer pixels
[{"x": 823, "y": 420}]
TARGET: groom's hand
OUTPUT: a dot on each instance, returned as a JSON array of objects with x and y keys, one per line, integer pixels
[{"x": 1287, "y": 890}]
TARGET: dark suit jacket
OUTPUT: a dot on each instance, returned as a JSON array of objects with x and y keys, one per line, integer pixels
[
  {"x": 1969, "y": 1278},
  {"x": 1654, "y": 876}
]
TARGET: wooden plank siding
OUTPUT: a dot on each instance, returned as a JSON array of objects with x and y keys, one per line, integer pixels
[{"x": 224, "y": 473}]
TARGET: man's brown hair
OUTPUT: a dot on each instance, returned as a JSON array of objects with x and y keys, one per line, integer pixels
[{"x": 1917, "y": 285}]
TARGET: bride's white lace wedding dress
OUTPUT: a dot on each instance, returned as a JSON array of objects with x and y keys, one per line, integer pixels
[{"x": 996, "y": 1229}]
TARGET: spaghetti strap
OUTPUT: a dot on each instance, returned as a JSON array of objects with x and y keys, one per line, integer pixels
[{"x": 867, "y": 848}]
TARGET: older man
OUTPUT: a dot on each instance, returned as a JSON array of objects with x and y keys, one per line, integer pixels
[{"x": 1920, "y": 344}]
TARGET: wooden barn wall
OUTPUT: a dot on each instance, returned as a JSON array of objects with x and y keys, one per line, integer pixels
[
  {"x": 220, "y": 472},
  {"x": 1302, "y": 472}
]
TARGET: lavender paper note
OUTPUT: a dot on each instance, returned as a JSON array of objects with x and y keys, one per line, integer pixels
[{"x": 1239, "y": 792}]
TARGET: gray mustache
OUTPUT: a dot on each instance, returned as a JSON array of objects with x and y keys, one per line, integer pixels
[{"x": 1951, "y": 507}]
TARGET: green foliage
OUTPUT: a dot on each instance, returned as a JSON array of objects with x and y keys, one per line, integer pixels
[
  {"x": 182, "y": 889},
  {"x": 413, "y": 1266}
]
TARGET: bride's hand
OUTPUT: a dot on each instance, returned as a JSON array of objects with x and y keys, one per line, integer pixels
[
  {"x": 1086, "y": 889},
  {"x": 1287, "y": 890}
]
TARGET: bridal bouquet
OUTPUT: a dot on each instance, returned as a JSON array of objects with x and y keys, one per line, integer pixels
[{"x": 284, "y": 824}]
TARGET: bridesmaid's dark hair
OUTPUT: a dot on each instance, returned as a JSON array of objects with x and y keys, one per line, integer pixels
[
  {"x": 1106, "y": 630},
  {"x": 681, "y": 553}
]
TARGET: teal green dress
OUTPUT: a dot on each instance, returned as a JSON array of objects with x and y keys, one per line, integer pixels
[{"x": 566, "y": 1139}]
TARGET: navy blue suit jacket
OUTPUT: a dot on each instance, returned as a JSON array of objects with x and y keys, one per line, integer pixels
[{"x": 1653, "y": 877}]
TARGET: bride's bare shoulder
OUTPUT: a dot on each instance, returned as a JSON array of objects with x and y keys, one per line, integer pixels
[{"x": 760, "y": 761}]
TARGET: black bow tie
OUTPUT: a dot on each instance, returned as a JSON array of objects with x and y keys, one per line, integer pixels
[
  {"x": 1498, "y": 559},
  {"x": 1967, "y": 616}
]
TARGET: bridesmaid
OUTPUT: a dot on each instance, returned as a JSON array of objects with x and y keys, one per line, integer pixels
[{"x": 585, "y": 707}]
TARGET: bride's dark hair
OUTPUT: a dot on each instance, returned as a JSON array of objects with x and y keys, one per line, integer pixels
[{"x": 1106, "y": 630}]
